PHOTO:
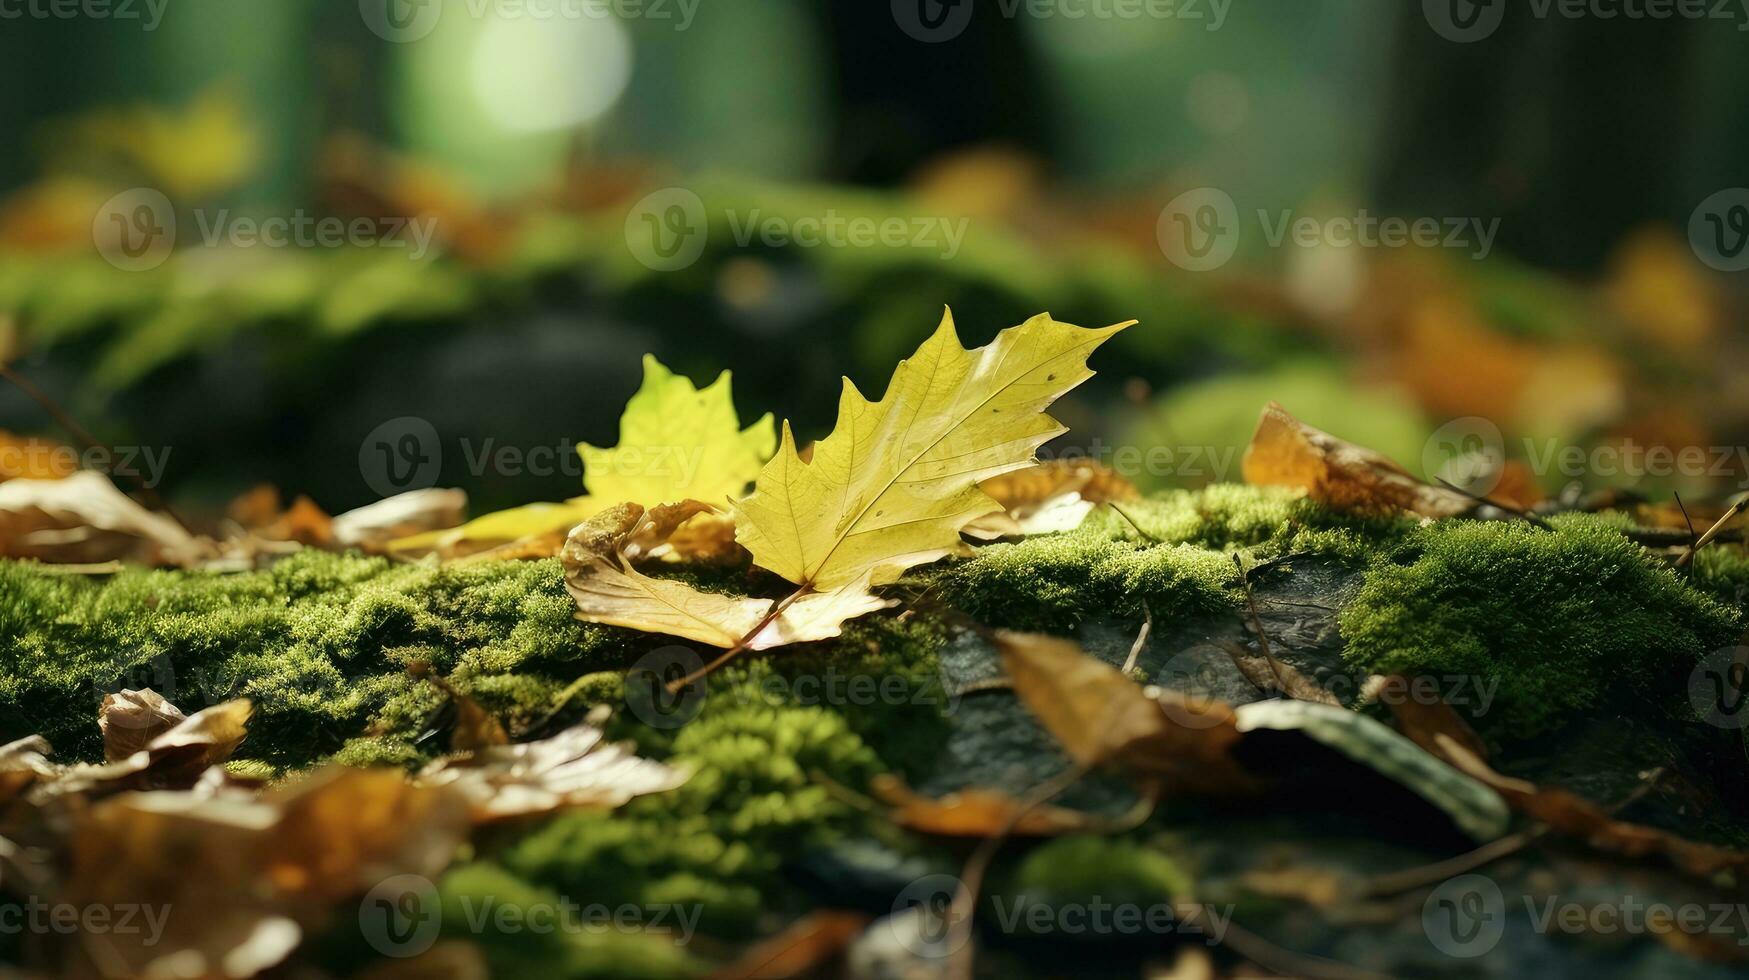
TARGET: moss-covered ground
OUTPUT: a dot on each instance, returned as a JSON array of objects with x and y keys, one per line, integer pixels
[{"x": 1564, "y": 618}]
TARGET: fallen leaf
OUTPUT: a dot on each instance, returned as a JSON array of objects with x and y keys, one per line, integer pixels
[
  {"x": 24, "y": 763},
  {"x": 676, "y": 442},
  {"x": 238, "y": 883},
  {"x": 475, "y": 727},
  {"x": 174, "y": 759},
  {"x": 575, "y": 768},
  {"x": 130, "y": 720},
  {"x": 974, "y": 813},
  {"x": 1472, "y": 806},
  {"x": 1100, "y": 716},
  {"x": 1446, "y": 735},
  {"x": 609, "y": 590},
  {"x": 1286, "y": 452},
  {"x": 897, "y": 479},
  {"x": 373, "y": 526},
  {"x": 258, "y": 512},
  {"x": 84, "y": 519},
  {"x": 1052, "y": 496},
  {"x": 810, "y": 944}
]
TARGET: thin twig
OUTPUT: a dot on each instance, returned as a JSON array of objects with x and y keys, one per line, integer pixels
[
  {"x": 1409, "y": 879},
  {"x": 1132, "y": 522},
  {"x": 1129, "y": 663},
  {"x": 1508, "y": 508},
  {"x": 972, "y": 875},
  {"x": 84, "y": 437},
  {"x": 1257, "y": 623},
  {"x": 776, "y": 610},
  {"x": 1275, "y": 958},
  {"x": 1713, "y": 532}
]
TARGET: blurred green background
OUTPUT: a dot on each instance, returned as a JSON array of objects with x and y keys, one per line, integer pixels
[{"x": 527, "y": 137}]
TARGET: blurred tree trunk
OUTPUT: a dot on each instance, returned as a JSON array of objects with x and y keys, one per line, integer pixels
[
  {"x": 900, "y": 101},
  {"x": 1572, "y": 131}
]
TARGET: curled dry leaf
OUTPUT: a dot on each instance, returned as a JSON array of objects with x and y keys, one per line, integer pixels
[
  {"x": 84, "y": 519},
  {"x": 1287, "y": 452},
  {"x": 373, "y": 526},
  {"x": 1056, "y": 495},
  {"x": 258, "y": 512},
  {"x": 599, "y": 576},
  {"x": 974, "y": 813},
  {"x": 1101, "y": 716},
  {"x": 1446, "y": 735},
  {"x": 130, "y": 720},
  {"x": 233, "y": 884},
  {"x": 812, "y": 944},
  {"x": 575, "y": 768},
  {"x": 23, "y": 764},
  {"x": 174, "y": 759},
  {"x": 475, "y": 727}
]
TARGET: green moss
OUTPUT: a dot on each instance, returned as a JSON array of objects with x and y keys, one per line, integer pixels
[
  {"x": 527, "y": 931},
  {"x": 1111, "y": 870},
  {"x": 319, "y": 642},
  {"x": 1560, "y": 619},
  {"x": 1105, "y": 567}
]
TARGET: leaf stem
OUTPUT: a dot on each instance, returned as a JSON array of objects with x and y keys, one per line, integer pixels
[{"x": 776, "y": 610}]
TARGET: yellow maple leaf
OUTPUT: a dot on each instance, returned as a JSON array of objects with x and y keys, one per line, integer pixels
[
  {"x": 897, "y": 479},
  {"x": 676, "y": 442}
]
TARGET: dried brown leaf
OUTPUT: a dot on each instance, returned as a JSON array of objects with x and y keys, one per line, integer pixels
[
  {"x": 1286, "y": 452},
  {"x": 1100, "y": 716},
  {"x": 131, "y": 720},
  {"x": 974, "y": 812},
  {"x": 811, "y": 944},
  {"x": 84, "y": 519}
]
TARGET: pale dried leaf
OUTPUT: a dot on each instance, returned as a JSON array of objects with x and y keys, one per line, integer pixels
[
  {"x": 373, "y": 526},
  {"x": 130, "y": 720},
  {"x": 84, "y": 519}
]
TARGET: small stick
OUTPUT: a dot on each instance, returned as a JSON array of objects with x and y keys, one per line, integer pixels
[
  {"x": 1712, "y": 532},
  {"x": 1132, "y": 521},
  {"x": 1478, "y": 498},
  {"x": 776, "y": 610},
  {"x": 82, "y": 436},
  {"x": 1257, "y": 622},
  {"x": 1129, "y": 663}
]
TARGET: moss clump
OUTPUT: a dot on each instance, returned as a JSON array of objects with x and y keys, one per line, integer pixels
[
  {"x": 1114, "y": 868},
  {"x": 527, "y": 931},
  {"x": 1560, "y": 619},
  {"x": 319, "y": 642},
  {"x": 1053, "y": 582}
]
